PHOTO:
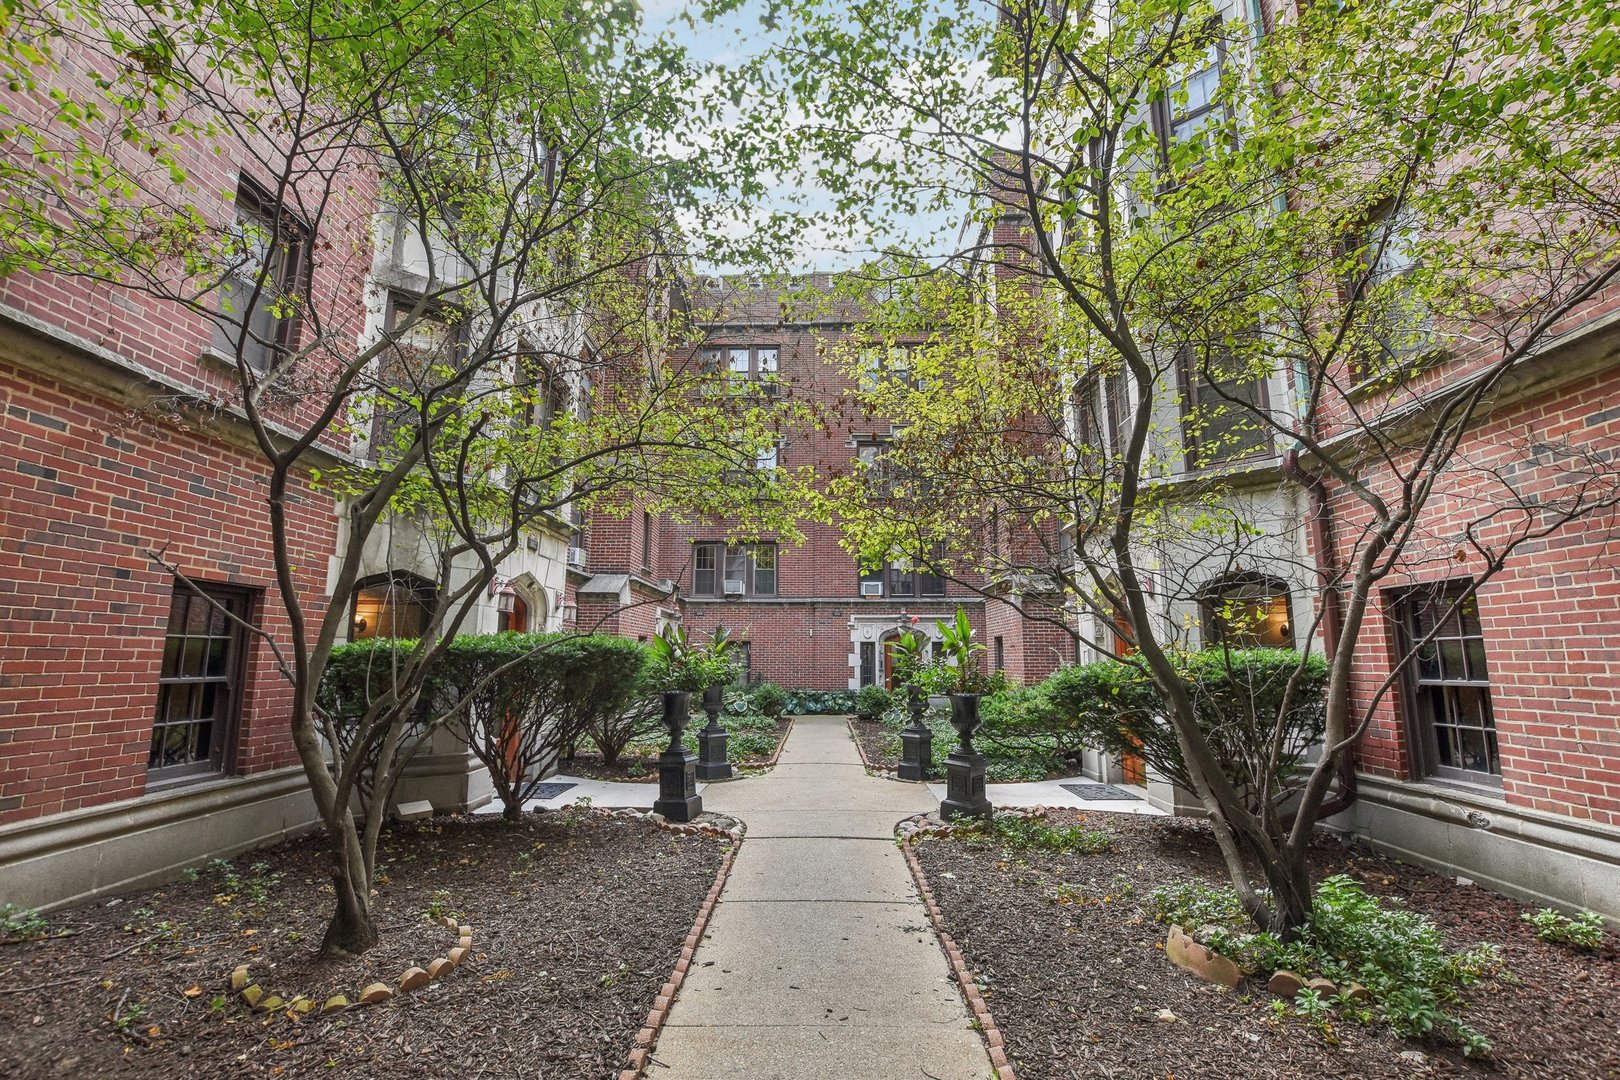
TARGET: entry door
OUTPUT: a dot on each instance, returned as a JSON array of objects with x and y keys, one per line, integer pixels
[{"x": 1134, "y": 768}]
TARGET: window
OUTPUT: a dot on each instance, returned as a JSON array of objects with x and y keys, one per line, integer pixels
[
  {"x": 434, "y": 337},
  {"x": 1191, "y": 105},
  {"x": 1087, "y": 430},
  {"x": 1386, "y": 248},
  {"x": 733, "y": 569},
  {"x": 1248, "y": 611},
  {"x": 646, "y": 540},
  {"x": 199, "y": 699},
  {"x": 396, "y": 605},
  {"x": 549, "y": 392},
  {"x": 905, "y": 581},
  {"x": 868, "y": 663},
  {"x": 270, "y": 255},
  {"x": 1001, "y": 654},
  {"x": 873, "y": 455},
  {"x": 1221, "y": 409},
  {"x": 1121, "y": 413},
  {"x": 892, "y": 365},
  {"x": 1449, "y": 685},
  {"x": 745, "y": 361},
  {"x": 766, "y": 460}
]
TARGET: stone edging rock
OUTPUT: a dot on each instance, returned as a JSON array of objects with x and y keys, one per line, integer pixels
[
  {"x": 925, "y": 825},
  {"x": 636, "y": 1063},
  {"x": 255, "y": 998}
]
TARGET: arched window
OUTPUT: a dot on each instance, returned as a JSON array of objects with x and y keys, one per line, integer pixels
[
  {"x": 392, "y": 605},
  {"x": 1248, "y": 611}
]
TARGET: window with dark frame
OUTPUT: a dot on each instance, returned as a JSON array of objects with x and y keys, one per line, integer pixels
[
  {"x": 396, "y": 605},
  {"x": 1192, "y": 105},
  {"x": 868, "y": 654},
  {"x": 274, "y": 260},
  {"x": 714, "y": 564},
  {"x": 1448, "y": 685},
  {"x": 199, "y": 701},
  {"x": 1386, "y": 245},
  {"x": 1001, "y": 653},
  {"x": 1248, "y": 611},
  {"x": 646, "y": 540},
  {"x": 1222, "y": 405},
  {"x": 1121, "y": 415}
]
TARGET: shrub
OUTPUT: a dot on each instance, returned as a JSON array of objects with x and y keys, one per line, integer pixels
[
  {"x": 872, "y": 702},
  {"x": 519, "y": 699},
  {"x": 768, "y": 699},
  {"x": 1396, "y": 953},
  {"x": 364, "y": 676},
  {"x": 1584, "y": 931},
  {"x": 1238, "y": 695}
]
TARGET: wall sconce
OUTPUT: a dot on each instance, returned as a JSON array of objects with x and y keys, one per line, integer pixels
[{"x": 505, "y": 596}]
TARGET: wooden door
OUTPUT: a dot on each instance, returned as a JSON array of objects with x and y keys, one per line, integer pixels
[{"x": 1134, "y": 768}]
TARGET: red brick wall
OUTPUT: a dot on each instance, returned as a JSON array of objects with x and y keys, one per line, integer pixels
[
  {"x": 1549, "y": 618},
  {"x": 84, "y": 488}
]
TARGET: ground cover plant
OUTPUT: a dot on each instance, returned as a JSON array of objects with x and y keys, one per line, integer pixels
[
  {"x": 1583, "y": 930},
  {"x": 755, "y": 737},
  {"x": 1064, "y": 940},
  {"x": 577, "y": 918}
]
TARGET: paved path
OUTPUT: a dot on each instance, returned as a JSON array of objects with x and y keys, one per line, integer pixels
[{"x": 819, "y": 963}]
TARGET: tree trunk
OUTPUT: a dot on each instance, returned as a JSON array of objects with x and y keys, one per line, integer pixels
[
  {"x": 1290, "y": 880},
  {"x": 352, "y": 930}
]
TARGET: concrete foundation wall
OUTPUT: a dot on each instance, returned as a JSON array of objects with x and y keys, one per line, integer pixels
[
  {"x": 80, "y": 855},
  {"x": 1523, "y": 853}
]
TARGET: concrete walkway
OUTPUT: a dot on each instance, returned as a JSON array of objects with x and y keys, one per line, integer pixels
[{"x": 819, "y": 963}]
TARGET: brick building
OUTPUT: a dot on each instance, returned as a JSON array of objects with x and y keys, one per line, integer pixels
[{"x": 806, "y": 614}]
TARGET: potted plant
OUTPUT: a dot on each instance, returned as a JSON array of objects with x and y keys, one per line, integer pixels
[
  {"x": 968, "y": 682},
  {"x": 912, "y": 669}
]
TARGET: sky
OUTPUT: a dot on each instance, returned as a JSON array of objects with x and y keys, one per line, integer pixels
[{"x": 740, "y": 36}]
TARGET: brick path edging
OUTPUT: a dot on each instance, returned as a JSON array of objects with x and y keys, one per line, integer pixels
[
  {"x": 964, "y": 977},
  {"x": 777, "y": 756},
  {"x": 641, "y": 1050}
]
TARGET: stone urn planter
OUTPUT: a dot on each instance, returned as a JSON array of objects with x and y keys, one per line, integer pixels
[
  {"x": 678, "y": 799},
  {"x": 964, "y": 769},
  {"x": 713, "y": 764}
]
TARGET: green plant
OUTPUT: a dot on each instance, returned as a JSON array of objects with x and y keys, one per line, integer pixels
[
  {"x": 820, "y": 702},
  {"x": 768, "y": 699},
  {"x": 20, "y": 924},
  {"x": 1583, "y": 931},
  {"x": 1415, "y": 983},
  {"x": 679, "y": 664},
  {"x": 962, "y": 652},
  {"x": 872, "y": 702},
  {"x": 1018, "y": 831}
]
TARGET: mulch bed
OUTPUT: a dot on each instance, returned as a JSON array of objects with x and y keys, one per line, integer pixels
[
  {"x": 1075, "y": 985},
  {"x": 577, "y": 920},
  {"x": 874, "y": 740},
  {"x": 642, "y": 768}
]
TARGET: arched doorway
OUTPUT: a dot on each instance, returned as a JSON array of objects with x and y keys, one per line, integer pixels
[{"x": 517, "y": 619}]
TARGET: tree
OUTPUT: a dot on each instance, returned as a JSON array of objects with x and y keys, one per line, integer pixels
[
  {"x": 1382, "y": 213},
  {"x": 489, "y": 183}
]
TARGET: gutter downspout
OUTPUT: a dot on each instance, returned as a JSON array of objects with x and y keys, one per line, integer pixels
[{"x": 1319, "y": 522}]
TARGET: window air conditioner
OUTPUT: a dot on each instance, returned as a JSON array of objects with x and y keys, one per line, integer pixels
[
  {"x": 871, "y": 588},
  {"x": 576, "y": 556},
  {"x": 735, "y": 588}
]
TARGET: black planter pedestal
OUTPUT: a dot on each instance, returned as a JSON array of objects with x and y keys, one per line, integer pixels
[
  {"x": 916, "y": 742},
  {"x": 964, "y": 769},
  {"x": 678, "y": 799},
  {"x": 712, "y": 761}
]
